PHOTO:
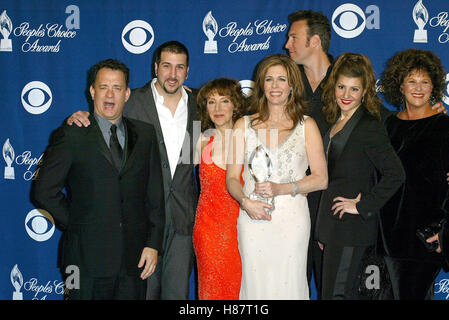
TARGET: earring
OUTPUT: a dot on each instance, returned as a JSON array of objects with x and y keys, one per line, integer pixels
[
  {"x": 402, "y": 103},
  {"x": 432, "y": 100}
]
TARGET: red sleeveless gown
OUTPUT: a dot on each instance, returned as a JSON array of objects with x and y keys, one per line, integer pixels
[{"x": 215, "y": 234}]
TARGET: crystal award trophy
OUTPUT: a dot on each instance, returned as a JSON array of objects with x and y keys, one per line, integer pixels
[
  {"x": 210, "y": 29},
  {"x": 17, "y": 282},
  {"x": 5, "y": 31},
  {"x": 261, "y": 167},
  {"x": 8, "y": 156}
]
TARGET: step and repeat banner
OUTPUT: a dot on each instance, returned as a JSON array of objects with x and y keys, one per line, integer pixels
[{"x": 47, "y": 47}]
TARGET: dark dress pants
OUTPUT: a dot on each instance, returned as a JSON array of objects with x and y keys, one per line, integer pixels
[
  {"x": 170, "y": 281},
  {"x": 341, "y": 272},
  {"x": 119, "y": 287},
  {"x": 412, "y": 280}
]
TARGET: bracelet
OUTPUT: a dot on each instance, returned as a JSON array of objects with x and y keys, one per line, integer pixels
[
  {"x": 295, "y": 188},
  {"x": 243, "y": 202}
]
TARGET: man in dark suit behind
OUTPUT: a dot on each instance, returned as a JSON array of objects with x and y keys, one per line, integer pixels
[
  {"x": 112, "y": 213},
  {"x": 308, "y": 44}
]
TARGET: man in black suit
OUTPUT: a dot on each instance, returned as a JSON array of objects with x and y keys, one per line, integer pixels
[
  {"x": 112, "y": 213},
  {"x": 308, "y": 44},
  {"x": 164, "y": 103}
]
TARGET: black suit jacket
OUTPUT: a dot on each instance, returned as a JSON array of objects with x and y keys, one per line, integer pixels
[
  {"x": 443, "y": 237},
  {"x": 363, "y": 162},
  {"x": 315, "y": 106},
  {"x": 106, "y": 215},
  {"x": 181, "y": 195}
]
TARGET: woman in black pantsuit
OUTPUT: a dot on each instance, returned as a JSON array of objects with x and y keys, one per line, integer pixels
[{"x": 364, "y": 172}]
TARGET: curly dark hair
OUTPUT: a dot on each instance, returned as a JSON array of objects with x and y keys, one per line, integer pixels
[
  {"x": 225, "y": 87},
  {"x": 402, "y": 64},
  {"x": 296, "y": 106},
  {"x": 352, "y": 65}
]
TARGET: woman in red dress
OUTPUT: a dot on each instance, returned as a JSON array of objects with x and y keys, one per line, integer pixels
[{"x": 221, "y": 102}]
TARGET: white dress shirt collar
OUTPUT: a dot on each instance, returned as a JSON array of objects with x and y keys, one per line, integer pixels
[
  {"x": 173, "y": 126},
  {"x": 159, "y": 99}
]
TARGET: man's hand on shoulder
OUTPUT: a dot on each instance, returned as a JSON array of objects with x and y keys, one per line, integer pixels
[
  {"x": 439, "y": 106},
  {"x": 79, "y": 118}
]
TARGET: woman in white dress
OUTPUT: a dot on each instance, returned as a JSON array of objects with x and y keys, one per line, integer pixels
[{"x": 273, "y": 242}]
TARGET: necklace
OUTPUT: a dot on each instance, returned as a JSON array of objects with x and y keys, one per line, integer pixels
[{"x": 276, "y": 122}]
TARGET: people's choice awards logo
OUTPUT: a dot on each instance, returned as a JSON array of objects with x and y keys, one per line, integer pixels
[
  {"x": 43, "y": 38},
  {"x": 137, "y": 36},
  {"x": 210, "y": 29},
  {"x": 5, "y": 31},
  {"x": 36, "y": 97},
  {"x": 420, "y": 16},
  {"x": 442, "y": 288},
  {"x": 25, "y": 159},
  {"x": 37, "y": 290},
  {"x": 249, "y": 37},
  {"x": 349, "y": 20},
  {"x": 39, "y": 225}
]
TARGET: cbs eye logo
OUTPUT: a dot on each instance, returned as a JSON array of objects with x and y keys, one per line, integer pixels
[
  {"x": 36, "y": 97},
  {"x": 349, "y": 20},
  {"x": 137, "y": 36},
  {"x": 247, "y": 87},
  {"x": 39, "y": 225}
]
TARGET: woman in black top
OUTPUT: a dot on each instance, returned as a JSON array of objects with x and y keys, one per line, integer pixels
[
  {"x": 413, "y": 81},
  {"x": 358, "y": 152}
]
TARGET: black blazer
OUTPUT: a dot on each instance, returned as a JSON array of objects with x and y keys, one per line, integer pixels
[
  {"x": 362, "y": 162},
  {"x": 106, "y": 215},
  {"x": 443, "y": 237},
  {"x": 181, "y": 195}
]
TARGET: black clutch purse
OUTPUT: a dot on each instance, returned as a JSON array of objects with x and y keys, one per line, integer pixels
[
  {"x": 385, "y": 289},
  {"x": 425, "y": 233}
]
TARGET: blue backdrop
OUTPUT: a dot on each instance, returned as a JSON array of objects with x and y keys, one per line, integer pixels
[{"x": 47, "y": 46}]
